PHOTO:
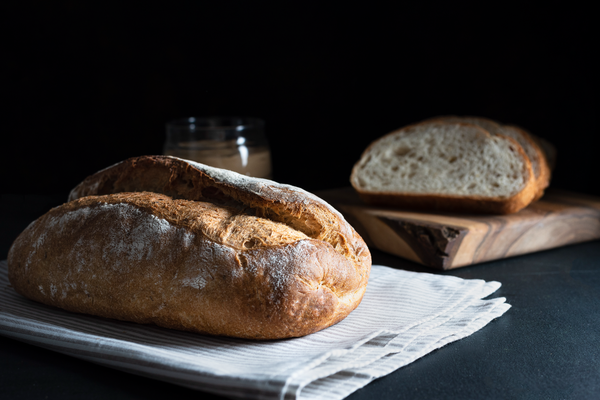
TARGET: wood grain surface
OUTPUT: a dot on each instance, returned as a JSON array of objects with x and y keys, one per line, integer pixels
[{"x": 446, "y": 241}]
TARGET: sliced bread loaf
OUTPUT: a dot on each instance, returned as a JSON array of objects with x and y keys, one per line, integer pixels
[
  {"x": 445, "y": 166},
  {"x": 539, "y": 161}
]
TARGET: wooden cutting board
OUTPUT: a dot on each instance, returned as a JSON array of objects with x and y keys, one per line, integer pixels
[{"x": 446, "y": 241}]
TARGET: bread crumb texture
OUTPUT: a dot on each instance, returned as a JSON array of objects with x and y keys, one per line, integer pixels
[
  {"x": 438, "y": 164},
  {"x": 456, "y": 159},
  {"x": 531, "y": 145}
]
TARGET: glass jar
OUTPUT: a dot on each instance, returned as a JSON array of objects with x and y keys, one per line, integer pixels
[{"x": 235, "y": 143}]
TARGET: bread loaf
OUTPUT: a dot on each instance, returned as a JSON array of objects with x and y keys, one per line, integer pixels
[
  {"x": 539, "y": 161},
  {"x": 446, "y": 166},
  {"x": 167, "y": 241}
]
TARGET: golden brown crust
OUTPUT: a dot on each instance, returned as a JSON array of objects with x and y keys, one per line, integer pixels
[
  {"x": 219, "y": 268},
  {"x": 453, "y": 204},
  {"x": 543, "y": 174},
  {"x": 449, "y": 203},
  {"x": 184, "y": 179}
]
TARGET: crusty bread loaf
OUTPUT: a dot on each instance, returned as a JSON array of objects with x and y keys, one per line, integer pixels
[
  {"x": 195, "y": 248},
  {"x": 529, "y": 143},
  {"x": 445, "y": 166}
]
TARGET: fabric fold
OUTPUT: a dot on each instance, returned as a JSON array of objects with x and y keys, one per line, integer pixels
[{"x": 403, "y": 316}]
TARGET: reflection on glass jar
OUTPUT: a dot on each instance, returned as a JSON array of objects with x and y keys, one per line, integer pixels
[{"x": 234, "y": 143}]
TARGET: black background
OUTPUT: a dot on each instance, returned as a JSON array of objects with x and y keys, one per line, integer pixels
[{"x": 87, "y": 84}]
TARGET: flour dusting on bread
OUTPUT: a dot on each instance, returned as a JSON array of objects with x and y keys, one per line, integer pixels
[
  {"x": 288, "y": 193},
  {"x": 166, "y": 241}
]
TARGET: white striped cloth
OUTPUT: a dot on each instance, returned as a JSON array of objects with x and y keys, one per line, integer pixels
[{"x": 403, "y": 316}]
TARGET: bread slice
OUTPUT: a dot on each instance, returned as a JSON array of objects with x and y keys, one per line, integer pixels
[
  {"x": 445, "y": 166},
  {"x": 547, "y": 148},
  {"x": 539, "y": 161}
]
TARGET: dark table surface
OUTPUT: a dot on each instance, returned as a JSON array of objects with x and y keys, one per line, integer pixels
[{"x": 547, "y": 346}]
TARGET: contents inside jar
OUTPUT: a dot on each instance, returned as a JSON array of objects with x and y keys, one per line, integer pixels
[{"x": 253, "y": 161}]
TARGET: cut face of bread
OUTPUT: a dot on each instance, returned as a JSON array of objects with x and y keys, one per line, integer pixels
[
  {"x": 539, "y": 162},
  {"x": 447, "y": 166}
]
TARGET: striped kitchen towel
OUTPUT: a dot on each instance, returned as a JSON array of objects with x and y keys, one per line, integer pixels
[{"x": 403, "y": 316}]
